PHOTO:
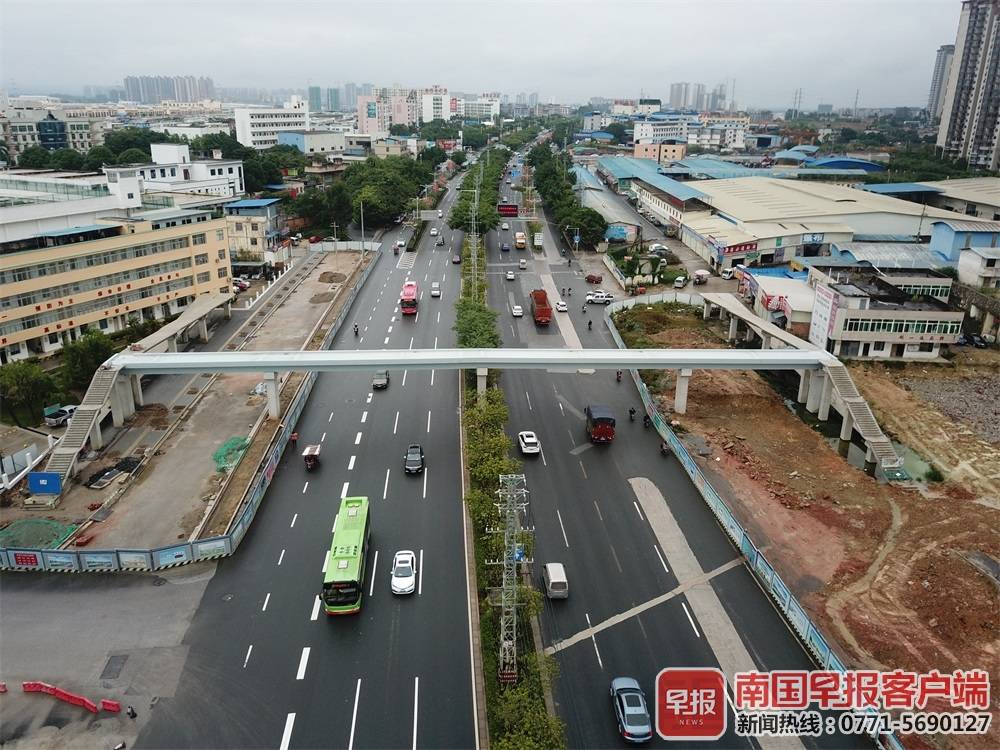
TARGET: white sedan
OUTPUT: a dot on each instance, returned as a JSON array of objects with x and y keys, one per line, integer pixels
[
  {"x": 404, "y": 572},
  {"x": 505, "y": 226},
  {"x": 560, "y": 306},
  {"x": 527, "y": 441},
  {"x": 516, "y": 311},
  {"x": 434, "y": 232},
  {"x": 510, "y": 276}
]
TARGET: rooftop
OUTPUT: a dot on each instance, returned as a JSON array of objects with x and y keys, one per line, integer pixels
[
  {"x": 899, "y": 188},
  {"x": 253, "y": 203},
  {"x": 970, "y": 225},
  {"x": 884, "y": 296},
  {"x": 647, "y": 170},
  {"x": 974, "y": 189},
  {"x": 169, "y": 213},
  {"x": 798, "y": 293},
  {"x": 892, "y": 254}
]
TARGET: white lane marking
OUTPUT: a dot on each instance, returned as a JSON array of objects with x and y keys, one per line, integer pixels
[
  {"x": 561, "y": 410},
  {"x": 594, "y": 641},
  {"x": 542, "y": 454},
  {"x": 417, "y": 316},
  {"x": 281, "y": 557},
  {"x": 294, "y": 518},
  {"x": 364, "y": 417},
  {"x": 512, "y": 331},
  {"x": 247, "y": 657},
  {"x": 411, "y": 342},
  {"x": 343, "y": 490},
  {"x": 326, "y": 556},
  {"x": 615, "y": 556},
  {"x": 357, "y": 439},
  {"x": 637, "y": 510},
  {"x": 690, "y": 620},
  {"x": 425, "y": 483},
  {"x": 439, "y": 316},
  {"x": 598, "y": 511},
  {"x": 416, "y": 695},
  {"x": 385, "y": 489},
  {"x": 303, "y": 661},
  {"x": 662, "y": 562},
  {"x": 583, "y": 470},
  {"x": 404, "y": 377},
  {"x": 268, "y": 598},
  {"x": 528, "y": 398},
  {"x": 395, "y": 424},
  {"x": 369, "y": 399},
  {"x": 354, "y": 716},
  {"x": 435, "y": 342},
  {"x": 350, "y": 464},
  {"x": 428, "y": 421},
  {"x": 323, "y": 439},
  {"x": 392, "y": 320},
  {"x": 432, "y": 377},
  {"x": 286, "y": 736},
  {"x": 371, "y": 590},
  {"x": 386, "y": 341},
  {"x": 390, "y": 330},
  {"x": 330, "y": 418},
  {"x": 305, "y": 487},
  {"x": 420, "y": 574},
  {"x": 559, "y": 515},
  {"x": 315, "y": 612}
]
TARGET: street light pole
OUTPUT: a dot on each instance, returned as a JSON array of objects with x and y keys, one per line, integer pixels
[{"x": 362, "y": 231}]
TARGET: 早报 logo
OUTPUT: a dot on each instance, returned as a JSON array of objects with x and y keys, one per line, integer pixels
[{"x": 690, "y": 704}]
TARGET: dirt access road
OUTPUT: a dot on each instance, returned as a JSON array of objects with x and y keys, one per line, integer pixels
[{"x": 887, "y": 571}]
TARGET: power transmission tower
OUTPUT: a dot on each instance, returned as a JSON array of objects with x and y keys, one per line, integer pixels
[{"x": 513, "y": 500}]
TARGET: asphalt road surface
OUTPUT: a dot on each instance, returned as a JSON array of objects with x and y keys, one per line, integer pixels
[{"x": 266, "y": 667}]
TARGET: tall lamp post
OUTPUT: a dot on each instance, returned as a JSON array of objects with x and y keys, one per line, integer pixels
[
  {"x": 362, "y": 231},
  {"x": 576, "y": 237}
]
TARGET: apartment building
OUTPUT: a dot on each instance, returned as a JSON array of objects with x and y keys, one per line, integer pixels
[
  {"x": 979, "y": 267},
  {"x": 435, "y": 105},
  {"x": 24, "y": 127},
  {"x": 939, "y": 80},
  {"x": 258, "y": 127},
  {"x": 173, "y": 171},
  {"x": 254, "y": 234},
  {"x": 664, "y": 152},
  {"x": 970, "y": 115},
  {"x": 57, "y": 284}
]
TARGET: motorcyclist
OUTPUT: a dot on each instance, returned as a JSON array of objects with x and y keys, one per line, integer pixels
[
  {"x": 631, "y": 414},
  {"x": 590, "y": 325},
  {"x": 664, "y": 449},
  {"x": 618, "y": 376},
  {"x": 355, "y": 329},
  {"x": 564, "y": 291},
  {"x": 646, "y": 421}
]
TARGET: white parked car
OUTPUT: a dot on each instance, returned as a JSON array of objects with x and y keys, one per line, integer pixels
[
  {"x": 560, "y": 306},
  {"x": 516, "y": 311},
  {"x": 527, "y": 441},
  {"x": 440, "y": 214},
  {"x": 510, "y": 276},
  {"x": 505, "y": 226},
  {"x": 61, "y": 417},
  {"x": 600, "y": 297},
  {"x": 404, "y": 572},
  {"x": 656, "y": 247},
  {"x": 434, "y": 231}
]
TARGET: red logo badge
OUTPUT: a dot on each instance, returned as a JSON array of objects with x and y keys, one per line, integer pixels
[{"x": 691, "y": 704}]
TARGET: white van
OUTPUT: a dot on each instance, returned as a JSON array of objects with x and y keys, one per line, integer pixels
[
  {"x": 727, "y": 273},
  {"x": 554, "y": 580},
  {"x": 435, "y": 288}
]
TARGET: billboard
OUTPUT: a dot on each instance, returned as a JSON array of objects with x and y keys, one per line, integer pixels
[{"x": 507, "y": 209}]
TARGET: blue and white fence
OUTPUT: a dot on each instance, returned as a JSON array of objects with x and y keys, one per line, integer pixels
[
  {"x": 159, "y": 558},
  {"x": 786, "y": 603}
]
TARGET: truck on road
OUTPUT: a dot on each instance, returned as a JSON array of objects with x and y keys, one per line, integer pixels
[
  {"x": 540, "y": 307},
  {"x": 600, "y": 423},
  {"x": 520, "y": 240}
]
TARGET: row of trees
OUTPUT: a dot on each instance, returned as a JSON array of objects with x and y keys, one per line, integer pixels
[
  {"x": 473, "y": 136},
  {"x": 555, "y": 181},
  {"x": 489, "y": 168}
]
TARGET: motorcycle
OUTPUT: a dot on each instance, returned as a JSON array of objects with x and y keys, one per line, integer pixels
[
  {"x": 646, "y": 421},
  {"x": 618, "y": 376},
  {"x": 664, "y": 449},
  {"x": 631, "y": 414}
]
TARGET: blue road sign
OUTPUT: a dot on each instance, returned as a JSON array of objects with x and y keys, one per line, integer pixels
[{"x": 44, "y": 482}]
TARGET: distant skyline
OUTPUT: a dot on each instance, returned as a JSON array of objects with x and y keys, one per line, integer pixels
[{"x": 885, "y": 48}]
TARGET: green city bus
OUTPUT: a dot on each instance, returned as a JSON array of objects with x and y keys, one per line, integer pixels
[{"x": 344, "y": 580}]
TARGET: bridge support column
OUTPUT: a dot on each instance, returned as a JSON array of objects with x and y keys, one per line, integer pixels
[
  {"x": 825, "y": 396},
  {"x": 988, "y": 321},
  {"x": 734, "y": 327},
  {"x": 271, "y": 383},
  {"x": 203, "y": 329},
  {"x": 481, "y": 374},
  {"x": 870, "y": 461},
  {"x": 846, "y": 431},
  {"x": 706, "y": 310},
  {"x": 681, "y": 391},
  {"x": 96, "y": 436},
  {"x": 803, "y": 394},
  {"x": 137, "y": 389},
  {"x": 816, "y": 385},
  {"x": 765, "y": 339},
  {"x": 748, "y": 336},
  {"x": 122, "y": 406},
  {"x": 172, "y": 344}
]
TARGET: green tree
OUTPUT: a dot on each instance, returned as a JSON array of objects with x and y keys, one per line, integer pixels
[
  {"x": 285, "y": 157},
  {"x": 25, "y": 385},
  {"x": 475, "y": 325},
  {"x": 339, "y": 207},
  {"x": 133, "y": 156},
  {"x": 139, "y": 138},
  {"x": 433, "y": 156},
  {"x": 82, "y": 357},
  {"x": 230, "y": 147},
  {"x": 400, "y": 129},
  {"x": 34, "y": 157},
  {"x": 67, "y": 159},
  {"x": 617, "y": 129},
  {"x": 592, "y": 226},
  {"x": 258, "y": 172},
  {"x": 97, "y": 157},
  {"x": 458, "y": 157}
]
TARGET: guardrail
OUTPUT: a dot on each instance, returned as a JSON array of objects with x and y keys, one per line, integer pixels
[
  {"x": 159, "y": 558},
  {"x": 786, "y": 603}
]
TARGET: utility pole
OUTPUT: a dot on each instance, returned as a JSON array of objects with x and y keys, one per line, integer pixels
[
  {"x": 362, "y": 231},
  {"x": 512, "y": 502}
]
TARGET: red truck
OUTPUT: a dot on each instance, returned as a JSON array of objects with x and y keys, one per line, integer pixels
[
  {"x": 600, "y": 423},
  {"x": 540, "y": 307}
]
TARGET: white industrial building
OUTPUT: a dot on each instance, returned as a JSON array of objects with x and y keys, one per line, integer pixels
[
  {"x": 436, "y": 106},
  {"x": 258, "y": 127}
]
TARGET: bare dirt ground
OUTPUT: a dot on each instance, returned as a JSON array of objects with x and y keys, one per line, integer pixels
[{"x": 883, "y": 569}]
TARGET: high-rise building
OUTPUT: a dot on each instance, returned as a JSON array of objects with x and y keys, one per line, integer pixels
[
  {"x": 350, "y": 95},
  {"x": 315, "y": 99},
  {"x": 698, "y": 100},
  {"x": 367, "y": 89},
  {"x": 939, "y": 80},
  {"x": 679, "y": 93},
  {"x": 533, "y": 99},
  {"x": 333, "y": 100},
  {"x": 155, "y": 89},
  {"x": 717, "y": 99},
  {"x": 970, "y": 116}
]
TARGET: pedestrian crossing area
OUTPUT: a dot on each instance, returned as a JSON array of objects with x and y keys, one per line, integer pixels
[{"x": 406, "y": 261}]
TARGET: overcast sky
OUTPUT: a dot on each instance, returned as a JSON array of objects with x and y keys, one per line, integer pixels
[{"x": 567, "y": 50}]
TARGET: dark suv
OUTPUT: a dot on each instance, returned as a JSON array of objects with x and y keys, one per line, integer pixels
[{"x": 413, "y": 461}]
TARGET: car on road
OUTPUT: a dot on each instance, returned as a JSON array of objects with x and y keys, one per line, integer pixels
[
  {"x": 314, "y": 239},
  {"x": 517, "y": 311},
  {"x": 434, "y": 231},
  {"x": 505, "y": 248},
  {"x": 508, "y": 182},
  {"x": 456, "y": 259},
  {"x": 680, "y": 282},
  {"x": 510, "y": 276},
  {"x": 630, "y": 709},
  {"x": 435, "y": 288},
  {"x": 978, "y": 341},
  {"x": 404, "y": 572},
  {"x": 237, "y": 289},
  {"x": 594, "y": 278},
  {"x": 600, "y": 297},
  {"x": 440, "y": 241},
  {"x": 505, "y": 226},
  {"x": 401, "y": 243},
  {"x": 440, "y": 214},
  {"x": 560, "y": 306},
  {"x": 413, "y": 461},
  {"x": 381, "y": 380},
  {"x": 527, "y": 441},
  {"x": 656, "y": 247},
  {"x": 61, "y": 416}
]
